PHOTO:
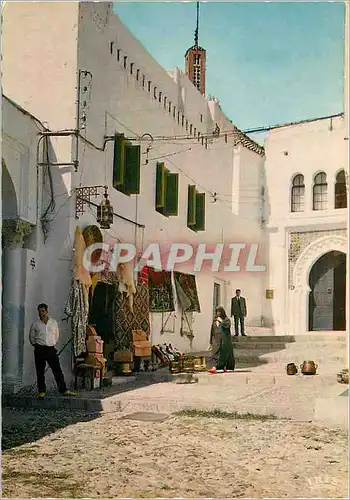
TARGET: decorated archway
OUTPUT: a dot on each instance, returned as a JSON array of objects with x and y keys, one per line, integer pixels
[
  {"x": 14, "y": 232},
  {"x": 299, "y": 295},
  {"x": 327, "y": 281}
]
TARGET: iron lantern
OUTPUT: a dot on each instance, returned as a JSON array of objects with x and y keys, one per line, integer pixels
[{"x": 105, "y": 212}]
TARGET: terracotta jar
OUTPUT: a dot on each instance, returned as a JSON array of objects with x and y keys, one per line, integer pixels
[
  {"x": 291, "y": 369},
  {"x": 309, "y": 368}
]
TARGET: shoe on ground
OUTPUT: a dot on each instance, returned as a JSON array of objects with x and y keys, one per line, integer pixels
[
  {"x": 69, "y": 393},
  {"x": 42, "y": 395},
  {"x": 212, "y": 371}
]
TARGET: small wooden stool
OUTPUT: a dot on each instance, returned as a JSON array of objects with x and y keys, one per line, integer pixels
[{"x": 88, "y": 377}]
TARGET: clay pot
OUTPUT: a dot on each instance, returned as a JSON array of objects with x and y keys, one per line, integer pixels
[
  {"x": 291, "y": 369},
  {"x": 309, "y": 368}
]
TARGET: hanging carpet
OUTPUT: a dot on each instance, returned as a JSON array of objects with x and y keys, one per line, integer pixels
[
  {"x": 186, "y": 290},
  {"x": 160, "y": 291},
  {"x": 126, "y": 320},
  {"x": 77, "y": 309}
]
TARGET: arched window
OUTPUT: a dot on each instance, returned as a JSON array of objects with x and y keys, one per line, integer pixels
[
  {"x": 340, "y": 191},
  {"x": 320, "y": 192},
  {"x": 298, "y": 194}
]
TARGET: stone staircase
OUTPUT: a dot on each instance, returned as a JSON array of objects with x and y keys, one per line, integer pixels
[{"x": 274, "y": 352}]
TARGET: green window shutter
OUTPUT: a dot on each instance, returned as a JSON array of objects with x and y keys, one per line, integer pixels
[
  {"x": 200, "y": 212},
  {"x": 132, "y": 169},
  {"x": 171, "y": 194},
  {"x": 118, "y": 161},
  {"x": 191, "y": 206},
  {"x": 160, "y": 186}
]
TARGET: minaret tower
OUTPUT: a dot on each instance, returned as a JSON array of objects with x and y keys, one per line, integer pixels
[{"x": 195, "y": 61}]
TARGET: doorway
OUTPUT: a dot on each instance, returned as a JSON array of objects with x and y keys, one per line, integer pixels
[
  {"x": 327, "y": 281},
  {"x": 216, "y": 297}
]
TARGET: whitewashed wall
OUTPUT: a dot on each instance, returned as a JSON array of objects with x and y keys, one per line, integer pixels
[
  {"x": 87, "y": 36},
  {"x": 50, "y": 274},
  {"x": 306, "y": 149},
  {"x": 136, "y": 112}
]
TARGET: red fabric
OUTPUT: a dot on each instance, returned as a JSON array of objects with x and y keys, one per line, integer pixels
[
  {"x": 157, "y": 277},
  {"x": 142, "y": 277}
]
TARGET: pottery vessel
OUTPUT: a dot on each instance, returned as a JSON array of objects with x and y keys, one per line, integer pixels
[
  {"x": 309, "y": 368},
  {"x": 291, "y": 369}
]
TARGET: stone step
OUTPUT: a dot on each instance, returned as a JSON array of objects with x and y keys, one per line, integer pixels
[
  {"x": 291, "y": 358},
  {"x": 286, "y": 339},
  {"x": 264, "y": 346}
]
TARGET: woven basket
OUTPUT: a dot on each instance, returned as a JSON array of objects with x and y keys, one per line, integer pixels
[{"x": 92, "y": 234}]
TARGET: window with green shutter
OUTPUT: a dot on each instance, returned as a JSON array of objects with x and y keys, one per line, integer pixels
[
  {"x": 118, "y": 161},
  {"x": 195, "y": 209},
  {"x": 200, "y": 212},
  {"x": 131, "y": 183},
  {"x": 160, "y": 187},
  {"x": 191, "y": 206},
  {"x": 167, "y": 191},
  {"x": 126, "y": 166},
  {"x": 171, "y": 194}
]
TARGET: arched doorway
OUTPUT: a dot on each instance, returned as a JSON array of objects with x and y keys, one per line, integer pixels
[{"x": 327, "y": 282}]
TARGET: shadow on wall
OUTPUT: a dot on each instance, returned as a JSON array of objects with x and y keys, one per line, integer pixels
[
  {"x": 51, "y": 278},
  {"x": 43, "y": 280},
  {"x": 266, "y": 303}
]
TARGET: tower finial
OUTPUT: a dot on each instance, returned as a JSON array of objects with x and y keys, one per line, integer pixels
[{"x": 197, "y": 28}]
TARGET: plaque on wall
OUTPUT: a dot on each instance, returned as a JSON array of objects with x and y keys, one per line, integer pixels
[{"x": 269, "y": 294}]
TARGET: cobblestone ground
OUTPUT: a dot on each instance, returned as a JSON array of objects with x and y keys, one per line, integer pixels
[{"x": 103, "y": 456}]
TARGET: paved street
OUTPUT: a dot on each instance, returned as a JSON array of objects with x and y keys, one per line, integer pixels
[
  {"x": 180, "y": 457},
  {"x": 77, "y": 454}
]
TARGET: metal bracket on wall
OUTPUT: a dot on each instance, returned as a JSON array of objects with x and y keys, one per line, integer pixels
[
  {"x": 65, "y": 133},
  {"x": 83, "y": 197}
]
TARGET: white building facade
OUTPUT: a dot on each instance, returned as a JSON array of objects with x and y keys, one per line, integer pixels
[
  {"x": 306, "y": 226},
  {"x": 123, "y": 90},
  {"x": 92, "y": 76}
]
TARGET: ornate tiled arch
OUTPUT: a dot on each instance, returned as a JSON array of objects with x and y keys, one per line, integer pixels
[
  {"x": 300, "y": 241},
  {"x": 312, "y": 253}
]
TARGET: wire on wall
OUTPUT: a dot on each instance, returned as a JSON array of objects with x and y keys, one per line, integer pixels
[{"x": 52, "y": 204}]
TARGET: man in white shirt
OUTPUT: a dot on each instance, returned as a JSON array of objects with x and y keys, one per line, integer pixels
[{"x": 43, "y": 336}]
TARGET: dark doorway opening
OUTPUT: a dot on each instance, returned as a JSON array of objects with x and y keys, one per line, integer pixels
[
  {"x": 327, "y": 281},
  {"x": 216, "y": 297}
]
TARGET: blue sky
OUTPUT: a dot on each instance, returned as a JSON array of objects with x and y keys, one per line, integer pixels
[{"x": 268, "y": 63}]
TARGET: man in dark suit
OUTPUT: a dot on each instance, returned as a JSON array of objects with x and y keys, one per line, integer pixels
[{"x": 238, "y": 311}]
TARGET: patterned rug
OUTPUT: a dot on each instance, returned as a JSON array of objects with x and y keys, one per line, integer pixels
[
  {"x": 160, "y": 291},
  {"x": 187, "y": 283},
  {"x": 126, "y": 321}
]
